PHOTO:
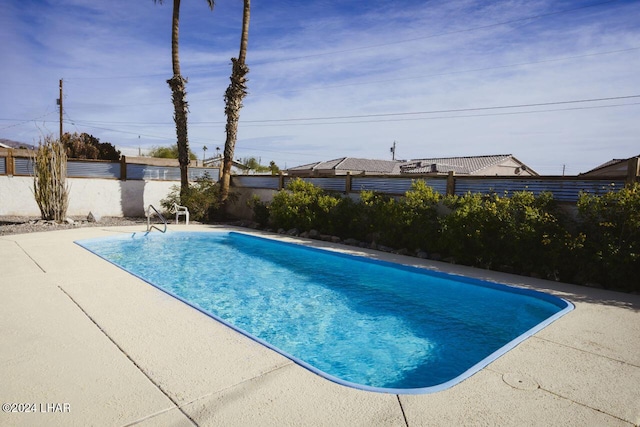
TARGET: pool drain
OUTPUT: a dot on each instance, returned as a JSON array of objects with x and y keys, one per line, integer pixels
[{"x": 519, "y": 381}]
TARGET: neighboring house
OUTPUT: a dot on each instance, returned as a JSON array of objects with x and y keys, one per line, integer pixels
[
  {"x": 216, "y": 162},
  {"x": 501, "y": 165},
  {"x": 616, "y": 168},
  {"x": 8, "y": 143},
  {"x": 345, "y": 165}
]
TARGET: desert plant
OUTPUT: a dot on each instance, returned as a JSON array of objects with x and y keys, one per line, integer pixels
[{"x": 49, "y": 179}]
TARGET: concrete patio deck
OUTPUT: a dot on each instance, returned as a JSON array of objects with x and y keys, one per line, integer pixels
[{"x": 89, "y": 344}]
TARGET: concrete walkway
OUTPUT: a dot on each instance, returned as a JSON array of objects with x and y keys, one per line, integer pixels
[{"x": 85, "y": 343}]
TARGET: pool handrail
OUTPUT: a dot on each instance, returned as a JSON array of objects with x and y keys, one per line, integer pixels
[{"x": 149, "y": 226}]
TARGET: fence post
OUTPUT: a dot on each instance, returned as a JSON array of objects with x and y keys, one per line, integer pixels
[
  {"x": 10, "y": 166},
  {"x": 633, "y": 170},
  {"x": 347, "y": 183},
  {"x": 451, "y": 183},
  {"x": 123, "y": 168},
  {"x": 281, "y": 181}
]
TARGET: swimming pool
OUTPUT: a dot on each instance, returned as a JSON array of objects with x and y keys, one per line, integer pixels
[{"x": 364, "y": 323}]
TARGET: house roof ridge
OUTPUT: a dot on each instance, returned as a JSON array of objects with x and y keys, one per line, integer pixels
[
  {"x": 462, "y": 157},
  {"x": 497, "y": 159},
  {"x": 344, "y": 159}
]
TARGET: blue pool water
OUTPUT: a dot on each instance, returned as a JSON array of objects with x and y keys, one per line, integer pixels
[{"x": 364, "y": 323}]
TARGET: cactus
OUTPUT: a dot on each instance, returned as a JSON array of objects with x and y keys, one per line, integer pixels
[{"x": 49, "y": 180}]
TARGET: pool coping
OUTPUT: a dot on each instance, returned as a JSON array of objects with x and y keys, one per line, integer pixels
[{"x": 582, "y": 369}]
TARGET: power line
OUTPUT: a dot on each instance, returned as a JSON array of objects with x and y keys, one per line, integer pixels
[
  {"x": 91, "y": 123},
  {"x": 71, "y": 121},
  {"x": 22, "y": 121},
  {"x": 123, "y": 131},
  {"x": 129, "y": 123},
  {"x": 450, "y": 117},
  {"x": 142, "y": 134},
  {"x": 140, "y": 76},
  {"x": 396, "y": 116},
  {"x": 458, "y": 110}
]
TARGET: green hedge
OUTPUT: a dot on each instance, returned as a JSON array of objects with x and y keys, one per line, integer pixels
[
  {"x": 609, "y": 251},
  {"x": 517, "y": 232}
]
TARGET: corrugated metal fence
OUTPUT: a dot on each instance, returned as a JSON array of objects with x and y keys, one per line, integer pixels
[
  {"x": 20, "y": 163},
  {"x": 564, "y": 188}
]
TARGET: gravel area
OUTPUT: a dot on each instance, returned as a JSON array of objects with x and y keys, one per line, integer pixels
[{"x": 21, "y": 224}]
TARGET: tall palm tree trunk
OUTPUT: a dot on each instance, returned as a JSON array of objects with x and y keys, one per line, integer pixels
[
  {"x": 233, "y": 97},
  {"x": 179, "y": 97}
]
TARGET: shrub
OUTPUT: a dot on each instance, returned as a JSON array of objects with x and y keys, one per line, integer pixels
[
  {"x": 518, "y": 232},
  {"x": 534, "y": 238},
  {"x": 346, "y": 219},
  {"x": 610, "y": 224},
  {"x": 521, "y": 231},
  {"x": 202, "y": 198},
  {"x": 170, "y": 152},
  {"x": 302, "y": 205},
  {"x": 260, "y": 211},
  {"x": 379, "y": 216},
  {"x": 49, "y": 180},
  {"x": 464, "y": 230},
  {"x": 420, "y": 228}
]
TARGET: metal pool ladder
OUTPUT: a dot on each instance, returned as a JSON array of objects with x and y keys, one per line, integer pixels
[{"x": 149, "y": 225}]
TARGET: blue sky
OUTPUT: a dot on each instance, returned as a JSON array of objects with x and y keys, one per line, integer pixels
[{"x": 335, "y": 78}]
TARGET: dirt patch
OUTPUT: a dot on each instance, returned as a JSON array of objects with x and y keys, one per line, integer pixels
[{"x": 22, "y": 224}]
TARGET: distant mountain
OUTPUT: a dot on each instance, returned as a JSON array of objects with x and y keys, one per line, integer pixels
[{"x": 7, "y": 143}]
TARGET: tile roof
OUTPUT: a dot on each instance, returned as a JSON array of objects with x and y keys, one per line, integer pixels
[
  {"x": 369, "y": 165},
  {"x": 462, "y": 165},
  {"x": 609, "y": 163},
  {"x": 352, "y": 164},
  {"x": 468, "y": 165}
]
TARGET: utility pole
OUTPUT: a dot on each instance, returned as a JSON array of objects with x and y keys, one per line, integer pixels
[
  {"x": 393, "y": 151},
  {"x": 60, "y": 105}
]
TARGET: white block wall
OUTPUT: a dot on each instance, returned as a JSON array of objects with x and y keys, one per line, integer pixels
[{"x": 104, "y": 197}]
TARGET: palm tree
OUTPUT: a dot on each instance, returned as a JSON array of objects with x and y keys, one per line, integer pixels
[
  {"x": 233, "y": 97},
  {"x": 177, "y": 84}
]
